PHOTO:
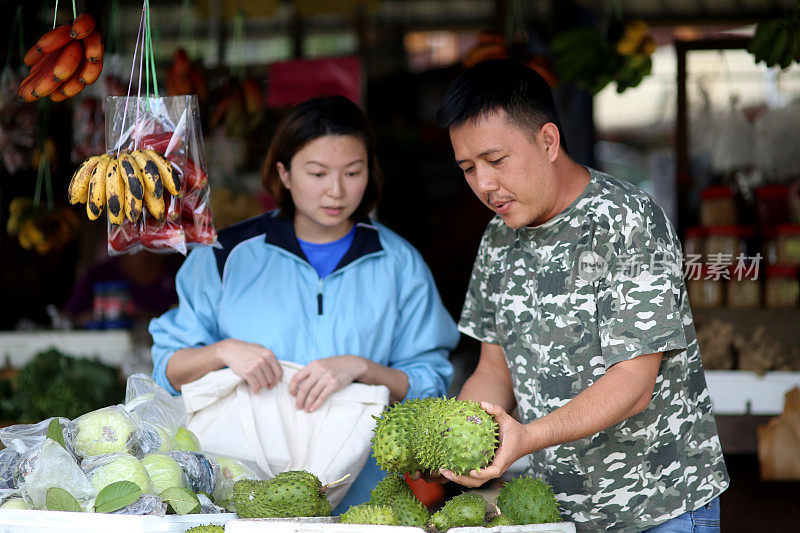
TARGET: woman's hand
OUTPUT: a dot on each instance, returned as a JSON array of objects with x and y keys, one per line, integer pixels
[
  {"x": 316, "y": 381},
  {"x": 252, "y": 362},
  {"x": 515, "y": 442}
]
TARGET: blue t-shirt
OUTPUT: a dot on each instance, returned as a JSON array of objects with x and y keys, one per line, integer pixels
[{"x": 325, "y": 256}]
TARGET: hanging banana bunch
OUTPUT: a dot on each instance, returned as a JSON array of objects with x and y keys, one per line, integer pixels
[
  {"x": 584, "y": 56},
  {"x": 63, "y": 61},
  {"x": 776, "y": 42},
  {"x": 125, "y": 184}
]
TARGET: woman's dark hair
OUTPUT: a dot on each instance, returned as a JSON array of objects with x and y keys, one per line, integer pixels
[
  {"x": 318, "y": 117},
  {"x": 499, "y": 84}
]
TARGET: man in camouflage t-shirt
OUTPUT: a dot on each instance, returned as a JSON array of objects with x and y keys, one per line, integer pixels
[{"x": 578, "y": 299}]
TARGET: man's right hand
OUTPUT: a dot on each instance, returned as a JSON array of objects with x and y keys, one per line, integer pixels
[
  {"x": 428, "y": 476},
  {"x": 255, "y": 364}
]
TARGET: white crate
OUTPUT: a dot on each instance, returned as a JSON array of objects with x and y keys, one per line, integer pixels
[
  {"x": 560, "y": 527},
  {"x": 290, "y": 525},
  {"x": 32, "y": 521}
]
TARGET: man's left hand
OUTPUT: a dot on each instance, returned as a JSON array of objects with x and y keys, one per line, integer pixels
[{"x": 515, "y": 442}]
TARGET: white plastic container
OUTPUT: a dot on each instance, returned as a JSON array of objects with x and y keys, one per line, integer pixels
[
  {"x": 34, "y": 521},
  {"x": 559, "y": 527},
  {"x": 271, "y": 525}
]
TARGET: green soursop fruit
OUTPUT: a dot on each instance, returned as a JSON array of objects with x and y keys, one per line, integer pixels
[
  {"x": 287, "y": 495},
  {"x": 459, "y": 436},
  {"x": 388, "y": 488},
  {"x": 502, "y": 520},
  {"x": 206, "y": 529},
  {"x": 528, "y": 500},
  {"x": 409, "y": 510},
  {"x": 394, "y": 492},
  {"x": 369, "y": 514},
  {"x": 391, "y": 444},
  {"x": 465, "y": 510}
]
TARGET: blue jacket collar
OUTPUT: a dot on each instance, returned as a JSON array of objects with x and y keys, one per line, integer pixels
[{"x": 280, "y": 232}]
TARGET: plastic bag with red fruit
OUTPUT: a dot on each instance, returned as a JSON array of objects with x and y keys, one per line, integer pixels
[{"x": 169, "y": 126}]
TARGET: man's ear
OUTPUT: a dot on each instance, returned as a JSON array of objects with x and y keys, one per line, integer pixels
[
  {"x": 283, "y": 174},
  {"x": 551, "y": 139}
]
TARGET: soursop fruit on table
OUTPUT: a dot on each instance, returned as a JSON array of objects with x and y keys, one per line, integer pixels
[
  {"x": 433, "y": 433},
  {"x": 394, "y": 492},
  {"x": 465, "y": 510},
  {"x": 290, "y": 494},
  {"x": 370, "y": 514},
  {"x": 528, "y": 500}
]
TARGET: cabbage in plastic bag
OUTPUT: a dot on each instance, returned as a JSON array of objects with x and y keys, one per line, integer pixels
[
  {"x": 108, "y": 430},
  {"x": 12, "y": 499},
  {"x": 199, "y": 471},
  {"x": 164, "y": 471},
  {"x": 103, "y": 470},
  {"x": 50, "y": 465}
]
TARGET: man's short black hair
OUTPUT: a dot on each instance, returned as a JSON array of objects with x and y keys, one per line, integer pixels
[{"x": 499, "y": 84}]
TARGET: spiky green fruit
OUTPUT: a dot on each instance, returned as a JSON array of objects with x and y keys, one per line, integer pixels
[
  {"x": 369, "y": 514},
  {"x": 391, "y": 445},
  {"x": 458, "y": 435},
  {"x": 409, "y": 510},
  {"x": 206, "y": 529},
  {"x": 287, "y": 495},
  {"x": 528, "y": 500},
  {"x": 501, "y": 520},
  {"x": 388, "y": 488},
  {"x": 394, "y": 492},
  {"x": 465, "y": 510}
]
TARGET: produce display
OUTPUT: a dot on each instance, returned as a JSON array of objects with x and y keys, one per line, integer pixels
[
  {"x": 63, "y": 61},
  {"x": 290, "y": 494},
  {"x": 465, "y": 510},
  {"x": 434, "y": 433},
  {"x": 97, "y": 462}
]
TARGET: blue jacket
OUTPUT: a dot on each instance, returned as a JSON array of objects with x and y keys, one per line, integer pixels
[{"x": 380, "y": 303}]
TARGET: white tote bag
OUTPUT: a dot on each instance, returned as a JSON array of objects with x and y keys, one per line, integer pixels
[{"x": 267, "y": 429}]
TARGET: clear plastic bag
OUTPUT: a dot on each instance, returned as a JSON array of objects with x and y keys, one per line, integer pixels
[
  {"x": 148, "y": 504},
  {"x": 108, "y": 430},
  {"x": 165, "y": 472},
  {"x": 9, "y": 459},
  {"x": 50, "y": 465},
  {"x": 207, "y": 506},
  {"x": 22, "y": 437},
  {"x": 12, "y": 499},
  {"x": 231, "y": 470},
  {"x": 200, "y": 472},
  {"x": 171, "y": 127},
  {"x": 102, "y": 470},
  {"x": 777, "y": 136},
  {"x": 155, "y": 406}
]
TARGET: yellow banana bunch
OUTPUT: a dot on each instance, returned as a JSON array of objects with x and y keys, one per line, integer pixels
[
  {"x": 636, "y": 40},
  {"x": 124, "y": 184}
]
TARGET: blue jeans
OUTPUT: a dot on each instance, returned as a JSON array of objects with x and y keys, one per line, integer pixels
[{"x": 703, "y": 520}]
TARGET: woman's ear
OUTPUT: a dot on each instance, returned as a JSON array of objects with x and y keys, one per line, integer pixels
[
  {"x": 551, "y": 140},
  {"x": 283, "y": 174}
]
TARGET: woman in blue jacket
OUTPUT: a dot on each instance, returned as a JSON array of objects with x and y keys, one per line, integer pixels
[{"x": 316, "y": 282}]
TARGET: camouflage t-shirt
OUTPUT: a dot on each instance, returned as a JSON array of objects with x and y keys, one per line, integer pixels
[{"x": 598, "y": 284}]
